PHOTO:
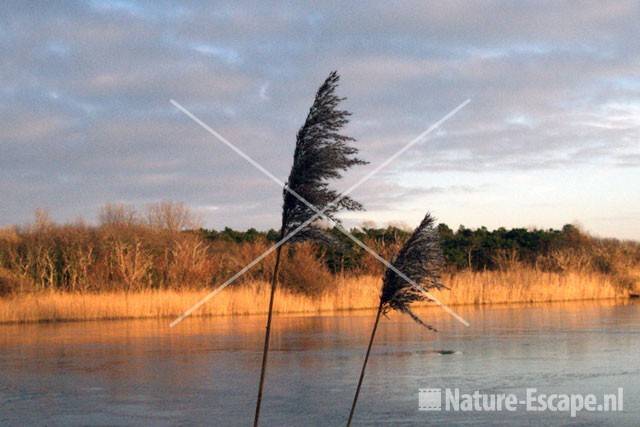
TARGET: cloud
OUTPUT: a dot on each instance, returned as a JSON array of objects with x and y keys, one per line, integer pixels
[
  {"x": 86, "y": 118},
  {"x": 389, "y": 195}
]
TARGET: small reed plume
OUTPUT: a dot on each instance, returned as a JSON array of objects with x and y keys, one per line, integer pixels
[
  {"x": 321, "y": 154},
  {"x": 420, "y": 260}
]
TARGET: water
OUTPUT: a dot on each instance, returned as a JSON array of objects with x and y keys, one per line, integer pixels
[{"x": 204, "y": 372}]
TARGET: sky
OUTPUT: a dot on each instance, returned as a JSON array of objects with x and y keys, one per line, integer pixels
[{"x": 551, "y": 135}]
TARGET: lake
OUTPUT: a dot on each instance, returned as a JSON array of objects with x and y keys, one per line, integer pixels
[{"x": 205, "y": 371}]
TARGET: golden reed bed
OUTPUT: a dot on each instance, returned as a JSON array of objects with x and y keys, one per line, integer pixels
[{"x": 521, "y": 285}]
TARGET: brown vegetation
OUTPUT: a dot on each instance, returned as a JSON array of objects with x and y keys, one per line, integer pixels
[
  {"x": 137, "y": 265},
  {"x": 357, "y": 293}
]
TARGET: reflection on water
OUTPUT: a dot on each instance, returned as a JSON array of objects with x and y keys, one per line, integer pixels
[{"x": 205, "y": 370}]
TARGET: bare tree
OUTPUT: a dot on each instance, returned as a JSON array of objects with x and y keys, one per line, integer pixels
[
  {"x": 190, "y": 263},
  {"x": 42, "y": 221},
  {"x": 171, "y": 216},
  {"x": 133, "y": 263},
  {"x": 118, "y": 214},
  {"x": 76, "y": 263}
]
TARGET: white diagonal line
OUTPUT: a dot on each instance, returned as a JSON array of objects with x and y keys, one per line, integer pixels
[{"x": 319, "y": 212}]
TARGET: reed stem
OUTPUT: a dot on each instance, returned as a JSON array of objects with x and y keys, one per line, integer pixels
[
  {"x": 267, "y": 335},
  {"x": 364, "y": 365}
]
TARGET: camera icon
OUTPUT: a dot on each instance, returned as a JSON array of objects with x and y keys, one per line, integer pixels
[{"x": 429, "y": 399}]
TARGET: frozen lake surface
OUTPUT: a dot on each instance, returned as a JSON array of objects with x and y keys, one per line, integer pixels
[{"x": 204, "y": 372}]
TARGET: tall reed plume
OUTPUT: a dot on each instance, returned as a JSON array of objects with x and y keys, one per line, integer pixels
[
  {"x": 421, "y": 261},
  {"x": 321, "y": 154}
]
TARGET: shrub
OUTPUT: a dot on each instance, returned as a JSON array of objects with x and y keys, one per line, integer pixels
[
  {"x": 11, "y": 283},
  {"x": 304, "y": 271}
]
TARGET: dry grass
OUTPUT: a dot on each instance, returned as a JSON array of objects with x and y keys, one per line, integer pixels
[
  {"x": 521, "y": 285},
  {"x": 528, "y": 285}
]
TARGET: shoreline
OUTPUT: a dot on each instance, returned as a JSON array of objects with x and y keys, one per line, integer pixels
[
  {"x": 418, "y": 307},
  {"x": 349, "y": 295}
]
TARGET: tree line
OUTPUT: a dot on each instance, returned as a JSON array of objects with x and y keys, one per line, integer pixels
[
  {"x": 163, "y": 247},
  {"x": 473, "y": 249}
]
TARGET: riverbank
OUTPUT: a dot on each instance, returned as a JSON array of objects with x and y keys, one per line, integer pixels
[{"x": 488, "y": 287}]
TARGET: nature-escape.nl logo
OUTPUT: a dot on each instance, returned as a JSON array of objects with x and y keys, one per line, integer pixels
[{"x": 431, "y": 399}]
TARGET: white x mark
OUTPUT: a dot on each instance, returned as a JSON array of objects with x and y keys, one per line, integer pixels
[{"x": 318, "y": 212}]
